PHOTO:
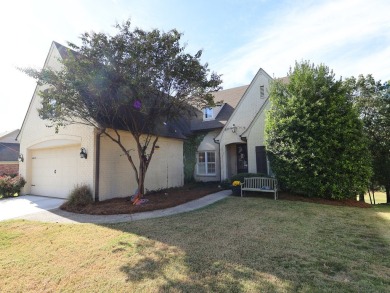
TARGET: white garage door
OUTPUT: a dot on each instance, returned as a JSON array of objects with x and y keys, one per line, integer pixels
[{"x": 54, "y": 171}]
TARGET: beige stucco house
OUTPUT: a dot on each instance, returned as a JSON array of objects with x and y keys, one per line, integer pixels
[
  {"x": 232, "y": 132},
  {"x": 236, "y": 143},
  {"x": 209, "y": 124},
  {"x": 53, "y": 164}
]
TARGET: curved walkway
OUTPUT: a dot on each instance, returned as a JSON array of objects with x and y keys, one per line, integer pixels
[{"x": 60, "y": 216}]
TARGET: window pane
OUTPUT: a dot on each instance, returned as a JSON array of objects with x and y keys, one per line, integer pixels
[
  {"x": 201, "y": 168},
  {"x": 206, "y": 163},
  {"x": 211, "y": 168},
  {"x": 208, "y": 113},
  {"x": 211, "y": 157},
  {"x": 201, "y": 158}
]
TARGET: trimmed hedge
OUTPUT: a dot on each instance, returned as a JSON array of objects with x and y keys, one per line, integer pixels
[{"x": 240, "y": 177}]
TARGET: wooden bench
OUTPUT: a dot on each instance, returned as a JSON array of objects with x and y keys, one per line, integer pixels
[{"x": 262, "y": 184}]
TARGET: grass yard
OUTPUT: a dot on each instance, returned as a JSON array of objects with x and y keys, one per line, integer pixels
[
  {"x": 380, "y": 197},
  {"x": 236, "y": 245}
]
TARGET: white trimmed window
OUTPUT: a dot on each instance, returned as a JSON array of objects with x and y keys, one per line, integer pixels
[
  {"x": 206, "y": 163},
  {"x": 262, "y": 92},
  {"x": 208, "y": 113}
]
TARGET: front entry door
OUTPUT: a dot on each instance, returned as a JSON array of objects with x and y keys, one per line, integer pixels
[{"x": 242, "y": 158}]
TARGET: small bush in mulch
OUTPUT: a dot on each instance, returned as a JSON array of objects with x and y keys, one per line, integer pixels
[
  {"x": 80, "y": 197},
  {"x": 10, "y": 185}
]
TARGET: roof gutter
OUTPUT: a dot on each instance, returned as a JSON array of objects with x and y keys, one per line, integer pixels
[
  {"x": 218, "y": 142},
  {"x": 97, "y": 165}
]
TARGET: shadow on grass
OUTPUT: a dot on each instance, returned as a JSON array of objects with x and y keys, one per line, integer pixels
[{"x": 259, "y": 245}]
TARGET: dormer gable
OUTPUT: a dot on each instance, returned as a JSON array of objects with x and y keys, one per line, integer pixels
[{"x": 210, "y": 113}]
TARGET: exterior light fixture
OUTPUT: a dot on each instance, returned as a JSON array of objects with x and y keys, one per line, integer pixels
[
  {"x": 83, "y": 153},
  {"x": 20, "y": 158},
  {"x": 234, "y": 128}
]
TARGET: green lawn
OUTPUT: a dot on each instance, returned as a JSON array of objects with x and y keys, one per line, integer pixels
[
  {"x": 380, "y": 197},
  {"x": 237, "y": 245}
]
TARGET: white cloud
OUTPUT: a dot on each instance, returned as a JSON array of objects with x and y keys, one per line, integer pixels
[{"x": 321, "y": 32}]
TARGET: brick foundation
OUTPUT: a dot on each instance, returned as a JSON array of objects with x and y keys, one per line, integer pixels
[{"x": 8, "y": 169}]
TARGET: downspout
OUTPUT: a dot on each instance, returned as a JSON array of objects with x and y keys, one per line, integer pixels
[
  {"x": 219, "y": 155},
  {"x": 97, "y": 166}
]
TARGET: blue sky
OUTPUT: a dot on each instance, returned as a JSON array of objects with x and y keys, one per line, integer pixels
[{"x": 352, "y": 37}]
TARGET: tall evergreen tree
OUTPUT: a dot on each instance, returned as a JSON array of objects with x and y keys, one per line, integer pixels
[
  {"x": 372, "y": 100},
  {"x": 314, "y": 136}
]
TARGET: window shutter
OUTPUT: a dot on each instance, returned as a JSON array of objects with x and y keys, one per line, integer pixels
[{"x": 261, "y": 160}]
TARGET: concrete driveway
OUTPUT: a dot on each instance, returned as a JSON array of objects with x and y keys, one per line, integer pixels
[{"x": 27, "y": 204}]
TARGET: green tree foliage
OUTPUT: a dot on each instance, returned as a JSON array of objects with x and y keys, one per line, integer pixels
[
  {"x": 372, "y": 99},
  {"x": 135, "y": 80},
  {"x": 314, "y": 136}
]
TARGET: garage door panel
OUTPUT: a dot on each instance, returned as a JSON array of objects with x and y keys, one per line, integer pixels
[{"x": 54, "y": 171}]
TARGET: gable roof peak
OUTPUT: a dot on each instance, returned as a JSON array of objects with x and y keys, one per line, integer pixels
[{"x": 9, "y": 136}]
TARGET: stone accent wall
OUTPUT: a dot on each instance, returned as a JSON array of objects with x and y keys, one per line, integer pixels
[{"x": 9, "y": 169}]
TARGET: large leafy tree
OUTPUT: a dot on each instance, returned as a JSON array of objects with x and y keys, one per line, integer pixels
[
  {"x": 372, "y": 99},
  {"x": 314, "y": 136},
  {"x": 135, "y": 81}
]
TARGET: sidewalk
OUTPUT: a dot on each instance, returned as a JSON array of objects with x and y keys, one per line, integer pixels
[{"x": 60, "y": 216}]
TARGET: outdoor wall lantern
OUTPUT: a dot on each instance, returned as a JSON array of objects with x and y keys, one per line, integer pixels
[
  {"x": 20, "y": 158},
  {"x": 83, "y": 153}
]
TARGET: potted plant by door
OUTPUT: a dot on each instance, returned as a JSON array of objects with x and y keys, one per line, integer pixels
[{"x": 236, "y": 188}]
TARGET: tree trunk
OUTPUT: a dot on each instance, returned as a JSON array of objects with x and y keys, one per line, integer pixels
[
  {"x": 388, "y": 194},
  {"x": 142, "y": 175},
  {"x": 369, "y": 194},
  {"x": 141, "y": 183},
  {"x": 361, "y": 196}
]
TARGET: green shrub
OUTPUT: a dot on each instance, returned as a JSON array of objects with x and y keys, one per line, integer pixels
[
  {"x": 240, "y": 177},
  {"x": 226, "y": 184},
  {"x": 11, "y": 185},
  {"x": 314, "y": 137},
  {"x": 80, "y": 196}
]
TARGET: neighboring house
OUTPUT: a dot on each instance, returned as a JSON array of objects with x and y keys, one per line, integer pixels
[
  {"x": 235, "y": 132},
  {"x": 9, "y": 153},
  {"x": 53, "y": 165}
]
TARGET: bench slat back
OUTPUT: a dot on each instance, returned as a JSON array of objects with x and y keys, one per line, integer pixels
[{"x": 260, "y": 183}]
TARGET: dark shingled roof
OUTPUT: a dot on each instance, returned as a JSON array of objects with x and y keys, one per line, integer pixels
[
  {"x": 64, "y": 51},
  {"x": 9, "y": 152},
  {"x": 9, "y": 136},
  {"x": 230, "y": 99}
]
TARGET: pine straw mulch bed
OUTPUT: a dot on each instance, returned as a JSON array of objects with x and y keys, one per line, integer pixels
[
  {"x": 175, "y": 196},
  {"x": 156, "y": 201}
]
